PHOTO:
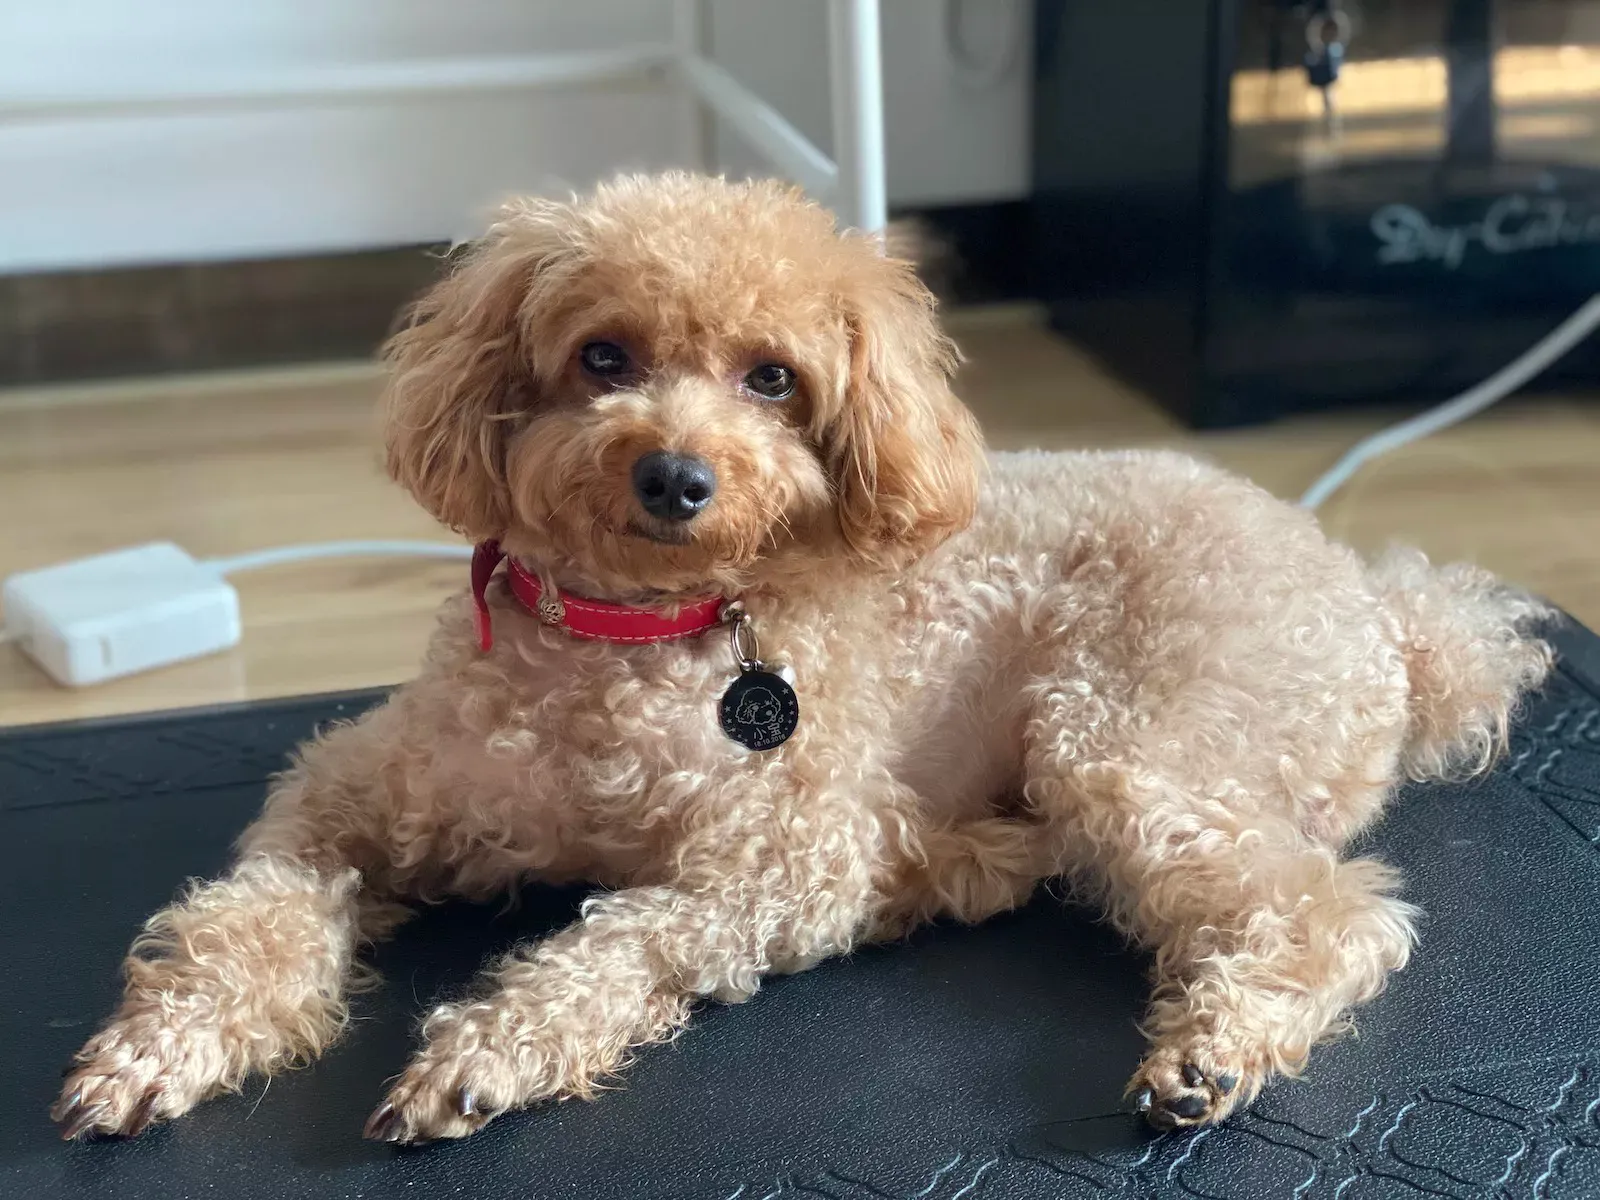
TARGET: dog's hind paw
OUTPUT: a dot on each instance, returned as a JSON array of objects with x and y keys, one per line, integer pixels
[{"x": 1193, "y": 1084}]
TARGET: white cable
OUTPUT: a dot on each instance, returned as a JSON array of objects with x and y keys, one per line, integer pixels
[
  {"x": 1558, "y": 342},
  {"x": 292, "y": 554}
]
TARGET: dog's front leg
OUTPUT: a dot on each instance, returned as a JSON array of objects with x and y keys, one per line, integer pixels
[
  {"x": 555, "y": 1018},
  {"x": 247, "y": 972}
]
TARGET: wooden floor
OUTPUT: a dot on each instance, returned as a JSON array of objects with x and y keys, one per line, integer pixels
[{"x": 224, "y": 465}]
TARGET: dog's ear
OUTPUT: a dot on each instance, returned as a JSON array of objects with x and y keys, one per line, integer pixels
[
  {"x": 458, "y": 370},
  {"x": 904, "y": 454}
]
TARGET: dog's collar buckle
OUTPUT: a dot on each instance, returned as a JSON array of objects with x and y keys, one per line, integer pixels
[{"x": 551, "y": 610}]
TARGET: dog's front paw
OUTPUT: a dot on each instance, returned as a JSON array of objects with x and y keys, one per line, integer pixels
[
  {"x": 1194, "y": 1082},
  {"x": 132, "y": 1073},
  {"x": 477, "y": 1062},
  {"x": 439, "y": 1097}
]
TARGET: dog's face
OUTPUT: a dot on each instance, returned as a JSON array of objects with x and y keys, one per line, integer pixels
[
  {"x": 681, "y": 384},
  {"x": 759, "y": 707}
]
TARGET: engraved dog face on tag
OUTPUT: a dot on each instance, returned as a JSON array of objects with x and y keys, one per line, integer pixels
[{"x": 759, "y": 710}]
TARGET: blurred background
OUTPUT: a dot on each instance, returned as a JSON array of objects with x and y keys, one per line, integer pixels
[{"x": 1257, "y": 229}]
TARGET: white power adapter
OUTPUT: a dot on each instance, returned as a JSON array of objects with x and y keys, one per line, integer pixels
[{"x": 114, "y": 614}]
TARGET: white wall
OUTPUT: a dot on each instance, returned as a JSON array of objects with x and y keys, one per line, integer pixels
[{"x": 305, "y": 178}]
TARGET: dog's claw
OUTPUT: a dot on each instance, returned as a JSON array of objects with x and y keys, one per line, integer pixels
[
  {"x": 1192, "y": 1075},
  {"x": 64, "y": 1106},
  {"x": 1226, "y": 1082},
  {"x": 381, "y": 1123},
  {"x": 1187, "y": 1107},
  {"x": 143, "y": 1114},
  {"x": 467, "y": 1103},
  {"x": 82, "y": 1119},
  {"x": 1144, "y": 1100}
]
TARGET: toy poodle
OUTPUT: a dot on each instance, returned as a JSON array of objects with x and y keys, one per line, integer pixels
[{"x": 764, "y": 645}]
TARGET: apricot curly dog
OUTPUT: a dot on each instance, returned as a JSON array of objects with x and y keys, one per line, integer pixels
[{"x": 1130, "y": 670}]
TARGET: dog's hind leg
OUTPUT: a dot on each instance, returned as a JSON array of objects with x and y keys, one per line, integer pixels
[
  {"x": 247, "y": 972},
  {"x": 1263, "y": 938},
  {"x": 1261, "y": 958}
]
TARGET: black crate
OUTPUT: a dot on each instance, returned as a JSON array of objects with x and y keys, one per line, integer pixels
[{"x": 1201, "y": 229}]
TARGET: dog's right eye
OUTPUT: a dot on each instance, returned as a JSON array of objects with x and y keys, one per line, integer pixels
[{"x": 604, "y": 358}]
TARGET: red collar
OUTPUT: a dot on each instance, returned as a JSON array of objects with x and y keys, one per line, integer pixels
[{"x": 593, "y": 619}]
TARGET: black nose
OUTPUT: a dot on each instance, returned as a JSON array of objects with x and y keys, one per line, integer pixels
[{"x": 674, "y": 487}]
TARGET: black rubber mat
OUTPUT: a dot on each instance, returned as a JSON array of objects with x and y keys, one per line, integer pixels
[{"x": 966, "y": 1063}]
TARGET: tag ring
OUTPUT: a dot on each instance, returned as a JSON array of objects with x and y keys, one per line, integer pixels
[{"x": 746, "y": 650}]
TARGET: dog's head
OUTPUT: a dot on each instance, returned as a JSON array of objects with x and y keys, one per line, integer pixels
[{"x": 678, "y": 384}]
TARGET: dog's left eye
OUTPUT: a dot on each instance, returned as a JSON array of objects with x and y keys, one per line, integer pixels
[
  {"x": 604, "y": 358},
  {"x": 771, "y": 382}
]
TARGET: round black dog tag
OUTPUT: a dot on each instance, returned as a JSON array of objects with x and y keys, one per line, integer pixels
[{"x": 759, "y": 710}]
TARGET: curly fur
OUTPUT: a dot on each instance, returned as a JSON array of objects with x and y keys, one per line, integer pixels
[{"x": 1131, "y": 671}]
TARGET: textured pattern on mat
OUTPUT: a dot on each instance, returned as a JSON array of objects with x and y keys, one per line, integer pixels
[{"x": 967, "y": 1063}]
